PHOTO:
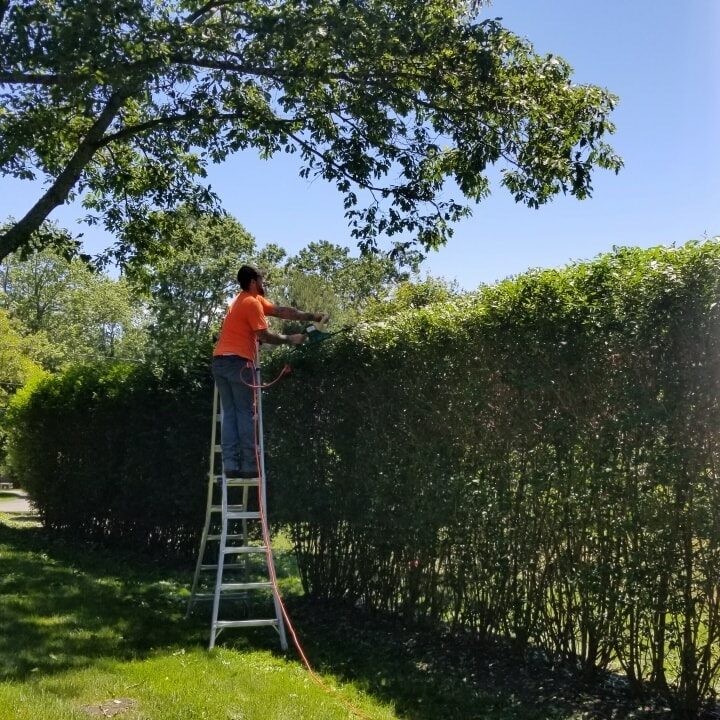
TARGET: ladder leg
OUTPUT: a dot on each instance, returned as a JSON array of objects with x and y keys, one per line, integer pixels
[
  {"x": 201, "y": 555},
  {"x": 208, "y": 512},
  {"x": 220, "y": 563}
]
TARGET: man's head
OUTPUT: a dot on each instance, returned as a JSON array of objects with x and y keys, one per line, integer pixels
[{"x": 250, "y": 280}]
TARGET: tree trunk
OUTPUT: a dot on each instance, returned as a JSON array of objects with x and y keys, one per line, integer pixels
[{"x": 57, "y": 194}]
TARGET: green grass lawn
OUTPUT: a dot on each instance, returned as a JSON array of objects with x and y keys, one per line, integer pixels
[
  {"x": 81, "y": 628},
  {"x": 85, "y": 632}
]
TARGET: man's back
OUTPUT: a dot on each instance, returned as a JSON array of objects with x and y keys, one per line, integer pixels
[{"x": 239, "y": 330}]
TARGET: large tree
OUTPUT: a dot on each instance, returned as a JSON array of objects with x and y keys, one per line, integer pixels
[{"x": 126, "y": 102}]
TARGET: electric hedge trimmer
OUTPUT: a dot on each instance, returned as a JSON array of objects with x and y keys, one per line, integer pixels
[{"x": 316, "y": 335}]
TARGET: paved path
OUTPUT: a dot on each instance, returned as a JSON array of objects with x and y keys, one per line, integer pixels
[{"x": 14, "y": 501}]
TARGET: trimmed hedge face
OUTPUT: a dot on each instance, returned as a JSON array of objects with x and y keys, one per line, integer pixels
[
  {"x": 116, "y": 455},
  {"x": 539, "y": 461}
]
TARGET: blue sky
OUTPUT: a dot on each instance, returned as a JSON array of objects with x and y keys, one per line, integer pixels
[{"x": 660, "y": 56}]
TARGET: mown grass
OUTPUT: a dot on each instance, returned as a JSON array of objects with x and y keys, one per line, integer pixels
[{"x": 81, "y": 627}]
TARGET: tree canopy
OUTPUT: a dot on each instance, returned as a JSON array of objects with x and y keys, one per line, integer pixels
[
  {"x": 187, "y": 282},
  {"x": 400, "y": 104},
  {"x": 186, "y": 276},
  {"x": 68, "y": 312}
]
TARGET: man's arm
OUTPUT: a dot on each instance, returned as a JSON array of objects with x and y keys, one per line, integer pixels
[
  {"x": 290, "y": 313},
  {"x": 271, "y": 338}
]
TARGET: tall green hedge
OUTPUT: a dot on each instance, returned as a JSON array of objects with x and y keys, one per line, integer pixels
[
  {"x": 116, "y": 454},
  {"x": 538, "y": 462}
]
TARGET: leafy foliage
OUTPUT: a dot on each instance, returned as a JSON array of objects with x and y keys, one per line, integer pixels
[
  {"x": 67, "y": 311},
  {"x": 538, "y": 462},
  {"x": 115, "y": 454},
  {"x": 410, "y": 295},
  {"x": 389, "y": 100},
  {"x": 16, "y": 368}
]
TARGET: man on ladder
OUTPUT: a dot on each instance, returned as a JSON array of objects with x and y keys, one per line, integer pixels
[{"x": 244, "y": 326}]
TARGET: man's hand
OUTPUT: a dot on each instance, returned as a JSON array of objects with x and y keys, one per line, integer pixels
[
  {"x": 321, "y": 318},
  {"x": 296, "y": 339}
]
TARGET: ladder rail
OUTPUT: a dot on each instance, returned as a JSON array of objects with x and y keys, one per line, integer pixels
[
  {"x": 208, "y": 505},
  {"x": 220, "y": 565}
]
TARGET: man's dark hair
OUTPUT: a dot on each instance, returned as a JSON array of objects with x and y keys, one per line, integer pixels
[{"x": 246, "y": 274}]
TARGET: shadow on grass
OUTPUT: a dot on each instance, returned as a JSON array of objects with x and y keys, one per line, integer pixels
[
  {"x": 65, "y": 605},
  {"x": 68, "y": 605},
  {"x": 431, "y": 674}
]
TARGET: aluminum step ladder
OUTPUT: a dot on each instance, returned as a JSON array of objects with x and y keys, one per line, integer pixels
[{"x": 232, "y": 536}]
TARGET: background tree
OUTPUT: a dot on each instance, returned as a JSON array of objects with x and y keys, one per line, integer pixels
[
  {"x": 325, "y": 277},
  {"x": 355, "y": 279},
  {"x": 127, "y": 102},
  {"x": 187, "y": 275},
  {"x": 411, "y": 295},
  {"x": 68, "y": 311},
  {"x": 16, "y": 368},
  {"x": 188, "y": 282}
]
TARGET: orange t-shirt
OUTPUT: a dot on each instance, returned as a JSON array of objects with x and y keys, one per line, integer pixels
[{"x": 244, "y": 318}]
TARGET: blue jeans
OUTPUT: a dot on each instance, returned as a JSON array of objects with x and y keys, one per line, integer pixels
[{"x": 238, "y": 413}]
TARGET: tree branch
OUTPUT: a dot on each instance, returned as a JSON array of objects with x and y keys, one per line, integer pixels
[
  {"x": 339, "y": 169},
  {"x": 58, "y": 192},
  {"x": 173, "y": 120},
  {"x": 207, "y": 8},
  {"x": 132, "y": 130},
  {"x": 18, "y": 78}
]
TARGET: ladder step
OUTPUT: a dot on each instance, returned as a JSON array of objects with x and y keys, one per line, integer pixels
[
  {"x": 226, "y": 566},
  {"x": 238, "y": 482},
  {"x": 244, "y": 623},
  {"x": 211, "y": 596},
  {"x": 237, "y": 512},
  {"x": 231, "y": 508},
  {"x": 246, "y": 550},
  {"x": 243, "y": 516},
  {"x": 246, "y": 586},
  {"x": 227, "y": 537}
]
